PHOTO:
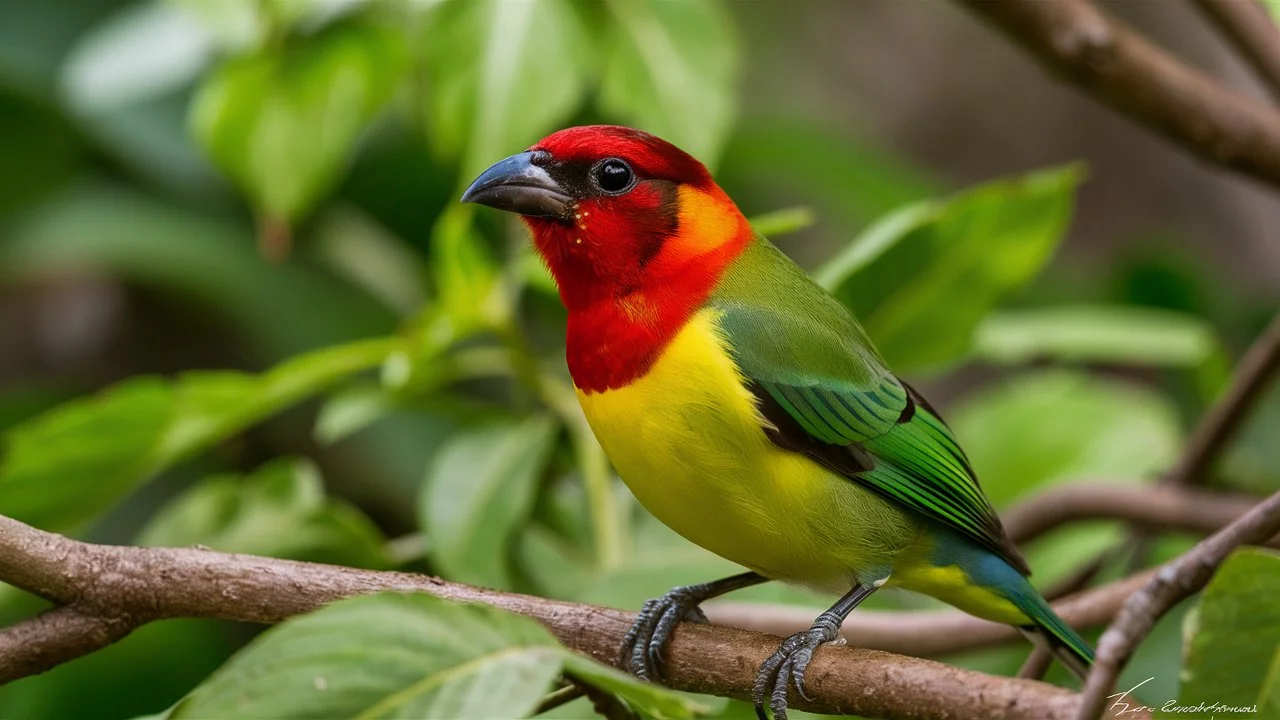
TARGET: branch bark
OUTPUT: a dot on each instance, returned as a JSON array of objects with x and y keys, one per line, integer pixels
[
  {"x": 1248, "y": 26},
  {"x": 1174, "y": 582},
  {"x": 105, "y": 591},
  {"x": 1080, "y": 43}
]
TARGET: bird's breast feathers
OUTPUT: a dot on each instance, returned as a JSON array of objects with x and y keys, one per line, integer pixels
[{"x": 688, "y": 439}]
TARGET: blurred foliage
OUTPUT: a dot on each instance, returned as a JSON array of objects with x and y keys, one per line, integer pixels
[{"x": 399, "y": 397}]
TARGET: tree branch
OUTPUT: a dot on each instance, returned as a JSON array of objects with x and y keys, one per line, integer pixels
[
  {"x": 929, "y": 633},
  {"x": 1249, "y": 27},
  {"x": 1174, "y": 582},
  {"x": 117, "y": 588},
  {"x": 1120, "y": 68},
  {"x": 1252, "y": 375}
]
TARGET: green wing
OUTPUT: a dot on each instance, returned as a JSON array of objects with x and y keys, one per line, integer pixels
[{"x": 827, "y": 393}]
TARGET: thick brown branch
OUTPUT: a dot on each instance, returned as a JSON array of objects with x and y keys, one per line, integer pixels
[
  {"x": 136, "y": 585},
  {"x": 54, "y": 637},
  {"x": 1174, "y": 582},
  {"x": 1248, "y": 26},
  {"x": 1123, "y": 70}
]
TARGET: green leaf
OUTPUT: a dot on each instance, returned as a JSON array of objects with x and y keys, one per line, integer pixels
[
  {"x": 68, "y": 465},
  {"x": 783, "y": 222},
  {"x": 923, "y": 278},
  {"x": 280, "y": 511},
  {"x": 471, "y": 292},
  {"x": 1100, "y": 334},
  {"x": 386, "y": 656},
  {"x": 500, "y": 75},
  {"x": 284, "y": 122},
  {"x": 671, "y": 68},
  {"x": 1233, "y": 655},
  {"x": 351, "y": 410},
  {"x": 651, "y": 700},
  {"x": 479, "y": 492},
  {"x": 1047, "y": 427}
]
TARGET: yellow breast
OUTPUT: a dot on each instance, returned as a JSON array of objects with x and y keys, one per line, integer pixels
[{"x": 687, "y": 439}]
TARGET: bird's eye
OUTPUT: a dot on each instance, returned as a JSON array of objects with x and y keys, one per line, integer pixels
[{"x": 613, "y": 176}]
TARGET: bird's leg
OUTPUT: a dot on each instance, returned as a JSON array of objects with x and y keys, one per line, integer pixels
[
  {"x": 788, "y": 664},
  {"x": 643, "y": 645}
]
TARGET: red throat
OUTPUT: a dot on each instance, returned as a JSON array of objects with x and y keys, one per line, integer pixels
[{"x": 631, "y": 276}]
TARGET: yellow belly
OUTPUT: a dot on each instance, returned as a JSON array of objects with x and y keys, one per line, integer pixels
[{"x": 688, "y": 440}]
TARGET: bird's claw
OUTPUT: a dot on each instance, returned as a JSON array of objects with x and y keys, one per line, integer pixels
[
  {"x": 644, "y": 642},
  {"x": 786, "y": 668}
]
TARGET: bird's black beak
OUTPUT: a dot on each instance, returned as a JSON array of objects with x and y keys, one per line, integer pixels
[{"x": 521, "y": 184}]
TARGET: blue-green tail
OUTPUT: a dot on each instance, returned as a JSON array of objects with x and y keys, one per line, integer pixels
[{"x": 1052, "y": 633}]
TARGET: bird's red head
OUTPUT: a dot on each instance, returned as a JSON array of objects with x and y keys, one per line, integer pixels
[{"x": 634, "y": 230}]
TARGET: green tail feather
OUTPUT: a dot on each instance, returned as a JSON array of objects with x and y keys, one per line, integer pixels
[{"x": 1053, "y": 633}]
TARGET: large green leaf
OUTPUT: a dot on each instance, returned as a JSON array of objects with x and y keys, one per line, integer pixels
[
  {"x": 283, "y": 122},
  {"x": 500, "y": 75},
  {"x": 1107, "y": 334},
  {"x": 66, "y": 466},
  {"x": 923, "y": 278},
  {"x": 1049, "y": 427},
  {"x": 478, "y": 493},
  {"x": 671, "y": 68},
  {"x": 386, "y": 656},
  {"x": 1233, "y": 654},
  {"x": 280, "y": 511}
]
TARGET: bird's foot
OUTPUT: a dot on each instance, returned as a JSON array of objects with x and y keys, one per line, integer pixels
[
  {"x": 786, "y": 667},
  {"x": 643, "y": 645}
]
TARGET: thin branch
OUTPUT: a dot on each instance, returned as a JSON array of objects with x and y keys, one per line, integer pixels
[
  {"x": 1249, "y": 27},
  {"x": 1211, "y": 435},
  {"x": 1176, "y": 581},
  {"x": 1036, "y": 664},
  {"x": 930, "y": 633},
  {"x": 138, "y": 585},
  {"x": 1168, "y": 508},
  {"x": 1077, "y": 41},
  {"x": 54, "y": 637}
]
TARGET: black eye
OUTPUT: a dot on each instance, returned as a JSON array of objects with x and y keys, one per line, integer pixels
[{"x": 613, "y": 176}]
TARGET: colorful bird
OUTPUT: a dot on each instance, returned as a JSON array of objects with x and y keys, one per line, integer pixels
[{"x": 747, "y": 409}]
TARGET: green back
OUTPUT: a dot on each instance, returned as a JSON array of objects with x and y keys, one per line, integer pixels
[{"x": 830, "y": 396}]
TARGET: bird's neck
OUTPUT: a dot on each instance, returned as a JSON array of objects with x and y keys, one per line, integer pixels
[{"x": 616, "y": 333}]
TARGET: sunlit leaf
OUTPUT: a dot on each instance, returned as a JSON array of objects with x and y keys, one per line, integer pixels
[
  {"x": 283, "y": 122},
  {"x": 66, "y": 466},
  {"x": 471, "y": 293},
  {"x": 782, "y": 222},
  {"x": 477, "y": 494},
  {"x": 923, "y": 278},
  {"x": 279, "y": 511},
  {"x": 501, "y": 75},
  {"x": 671, "y": 68},
  {"x": 1233, "y": 656},
  {"x": 386, "y": 656}
]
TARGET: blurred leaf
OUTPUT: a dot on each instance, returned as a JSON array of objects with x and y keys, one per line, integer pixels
[
  {"x": 671, "y": 68},
  {"x": 283, "y": 123},
  {"x": 1252, "y": 462},
  {"x": 35, "y": 137},
  {"x": 386, "y": 655},
  {"x": 237, "y": 24},
  {"x": 783, "y": 222},
  {"x": 1043, "y": 428},
  {"x": 478, "y": 493},
  {"x": 66, "y": 466},
  {"x": 923, "y": 278},
  {"x": 139, "y": 52},
  {"x": 469, "y": 289},
  {"x": 354, "y": 245},
  {"x": 500, "y": 75},
  {"x": 1099, "y": 334},
  {"x": 651, "y": 700},
  {"x": 1233, "y": 658},
  {"x": 284, "y": 309},
  {"x": 279, "y": 511},
  {"x": 350, "y": 411}
]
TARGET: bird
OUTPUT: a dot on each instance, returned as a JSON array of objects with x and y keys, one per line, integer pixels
[{"x": 747, "y": 409}]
